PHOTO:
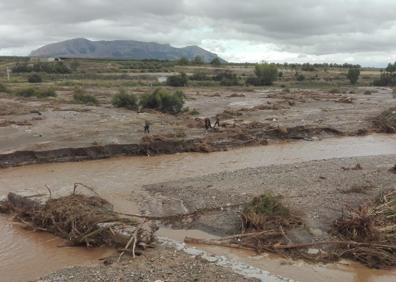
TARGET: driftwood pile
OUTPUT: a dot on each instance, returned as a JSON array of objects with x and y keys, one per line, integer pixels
[
  {"x": 387, "y": 121},
  {"x": 374, "y": 227},
  {"x": 83, "y": 220},
  {"x": 367, "y": 235}
]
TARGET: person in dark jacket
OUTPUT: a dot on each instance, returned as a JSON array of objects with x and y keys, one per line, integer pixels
[
  {"x": 217, "y": 123},
  {"x": 207, "y": 123},
  {"x": 146, "y": 127}
]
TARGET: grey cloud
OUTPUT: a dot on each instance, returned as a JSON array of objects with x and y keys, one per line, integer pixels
[{"x": 305, "y": 27}]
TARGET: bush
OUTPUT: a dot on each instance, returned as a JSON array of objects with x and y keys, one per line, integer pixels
[
  {"x": 266, "y": 74},
  {"x": 308, "y": 67},
  {"x": 3, "y": 88},
  {"x": 81, "y": 98},
  {"x": 57, "y": 67},
  {"x": 385, "y": 79},
  {"x": 27, "y": 92},
  {"x": 200, "y": 76},
  {"x": 125, "y": 100},
  {"x": 251, "y": 80},
  {"x": 353, "y": 75},
  {"x": 33, "y": 92},
  {"x": 50, "y": 92},
  {"x": 163, "y": 101},
  {"x": 35, "y": 78},
  {"x": 335, "y": 91},
  {"x": 227, "y": 78},
  {"x": 266, "y": 204},
  {"x": 300, "y": 77},
  {"x": 177, "y": 80}
]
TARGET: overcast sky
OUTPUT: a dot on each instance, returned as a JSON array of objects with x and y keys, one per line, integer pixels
[{"x": 354, "y": 31}]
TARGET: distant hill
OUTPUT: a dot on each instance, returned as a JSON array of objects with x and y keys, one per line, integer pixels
[{"x": 120, "y": 49}]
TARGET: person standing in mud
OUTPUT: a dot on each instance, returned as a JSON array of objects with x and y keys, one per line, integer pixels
[
  {"x": 146, "y": 127},
  {"x": 217, "y": 123},
  {"x": 207, "y": 123}
]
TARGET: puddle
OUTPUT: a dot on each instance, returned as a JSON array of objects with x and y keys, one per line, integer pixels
[{"x": 117, "y": 179}]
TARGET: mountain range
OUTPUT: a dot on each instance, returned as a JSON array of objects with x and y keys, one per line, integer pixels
[{"x": 121, "y": 49}]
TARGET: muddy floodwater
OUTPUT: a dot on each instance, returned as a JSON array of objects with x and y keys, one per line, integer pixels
[{"x": 26, "y": 255}]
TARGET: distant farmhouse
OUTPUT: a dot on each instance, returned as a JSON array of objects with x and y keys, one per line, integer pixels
[{"x": 45, "y": 59}]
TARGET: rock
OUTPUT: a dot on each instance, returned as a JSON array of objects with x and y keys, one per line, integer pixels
[
  {"x": 283, "y": 130},
  {"x": 312, "y": 251},
  {"x": 316, "y": 232},
  {"x": 347, "y": 100}
]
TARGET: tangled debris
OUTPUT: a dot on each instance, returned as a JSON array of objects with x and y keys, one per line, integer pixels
[
  {"x": 265, "y": 222},
  {"x": 367, "y": 234},
  {"x": 387, "y": 120},
  {"x": 373, "y": 224},
  {"x": 356, "y": 167},
  {"x": 84, "y": 221},
  {"x": 266, "y": 212}
]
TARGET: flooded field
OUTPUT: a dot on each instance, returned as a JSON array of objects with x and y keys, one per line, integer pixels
[{"x": 119, "y": 179}]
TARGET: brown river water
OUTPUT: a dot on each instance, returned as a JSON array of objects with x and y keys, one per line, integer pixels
[{"x": 26, "y": 255}]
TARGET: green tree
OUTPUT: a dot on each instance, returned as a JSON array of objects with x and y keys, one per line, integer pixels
[
  {"x": 353, "y": 75},
  {"x": 266, "y": 74},
  {"x": 391, "y": 67},
  {"x": 198, "y": 60},
  {"x": 183, "y": 62},
  {"x": 215, "y": 62}
]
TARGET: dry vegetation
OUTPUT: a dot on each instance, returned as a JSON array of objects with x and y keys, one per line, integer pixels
[{"x": 366, "y": 234}]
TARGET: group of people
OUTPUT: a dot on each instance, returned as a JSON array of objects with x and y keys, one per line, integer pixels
[{"x": 208, "y": 124}]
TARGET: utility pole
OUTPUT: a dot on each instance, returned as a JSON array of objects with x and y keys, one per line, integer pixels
[{"x": 8, "y": 73}]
